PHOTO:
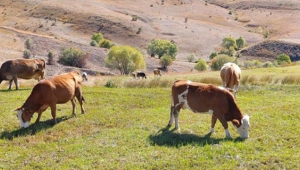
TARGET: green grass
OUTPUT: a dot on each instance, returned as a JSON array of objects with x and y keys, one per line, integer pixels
[{"x": 125, "y": 128}]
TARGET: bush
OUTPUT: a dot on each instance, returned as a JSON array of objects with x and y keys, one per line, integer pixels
[
  {"x": 268, "y": 64},
  {"x": 219, "y": 61},
  {"x": 28, "y": 43},
  {"x": 50, "y": 58},
  {"x": 73, "y": 57},
  {"x": 165, "y": 62},
  {"x": 97, "y": 37},
  {"x": 191, "y": 57},
  {"x": 106, "y": 44},
  {"x": 201, "y": 65},
  {"x": 240, "y": 42},
  {"x": 26, "y": 54},
  {"x": 162, "y": 47},
  {"x": 283, "y": 59},
  {"x": 93, "y": 43},
  {"x": 213, "y": 55},
  {"x": 253, "y": 64}
]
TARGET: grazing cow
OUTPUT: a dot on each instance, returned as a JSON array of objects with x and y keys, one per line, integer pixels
[
  {"x": 84, "y": 76},
  {"x": 156, "y": 72},
  {"x": 11, "y": 70},
  {"x": 49, "y": 92},
  {"x": 231, "y": 74},
  {"x": 133, "y": 75},
  {"x": 217, "y": 101},
  {"x": 141, "y": 74}
]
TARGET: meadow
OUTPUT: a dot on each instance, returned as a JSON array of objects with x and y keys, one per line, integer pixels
[{"x": 125, "y": 127}]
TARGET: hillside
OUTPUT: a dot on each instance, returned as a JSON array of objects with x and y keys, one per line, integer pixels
[{"x": 196, "y": 26}]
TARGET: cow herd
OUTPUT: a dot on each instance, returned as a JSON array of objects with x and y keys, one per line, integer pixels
[{"x": 197, "y": 97}]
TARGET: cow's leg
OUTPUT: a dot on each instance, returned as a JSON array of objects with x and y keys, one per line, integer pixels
[
  {"x": 176, "y": 116},
  {"x": 171, "y": 116},
  {"x": 80, "y": 100},
  {"x": 39, "y": 116},
  {"x": 53, "y": 112},
  {"x": 10, "y": 83},
  {"x": 213, "y": 123},
  {"x": 225, "y": 125},
  {"x": 16, "y": 82},
  {"x": 73, "y": 106}
]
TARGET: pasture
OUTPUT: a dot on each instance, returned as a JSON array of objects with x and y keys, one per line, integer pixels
[{"x": 125, "y": 127}]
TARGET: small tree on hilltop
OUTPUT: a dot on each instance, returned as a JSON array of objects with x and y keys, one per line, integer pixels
[
  {"x": 162, "y": 47},
  {"x": 240, "y": 43},
  {"x": 165, "y": 62},
  {"x": 97, "y": 37},
  {"x": 283, "y": 58},
  {"x": 73, "y": 57},
  {"x": 213, "y": 55},
  {"x": 125, "y": 59}
]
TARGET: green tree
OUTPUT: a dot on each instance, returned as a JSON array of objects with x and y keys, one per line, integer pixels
[
  {"x": 229, "y": 42},
  {"x": 105, "y": 43},
  {"x": 219, "y": 61},
  {"x": 97, "y": 37},
  {"x": 240, "y": 42},
  {"x": 162, "y": 47},
  {"x": 283, "y": 58},
  {"x": 201, "y": 65},
  {"x": 125, "y": 59},
  {"x": 165, "y": 61},
  {"x": 191, "y": 57}
]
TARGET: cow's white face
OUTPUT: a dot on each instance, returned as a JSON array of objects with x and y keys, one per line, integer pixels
[
  {"x": 22, "y": 123},
  {"x": 244, "y": 128}
]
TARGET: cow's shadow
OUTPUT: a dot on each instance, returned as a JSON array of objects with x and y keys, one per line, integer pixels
[
  {"x": 171, "y": 138},
  {"x": 32, "y": 129}
]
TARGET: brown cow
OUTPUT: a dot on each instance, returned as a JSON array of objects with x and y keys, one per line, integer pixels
[
  {"x": 230, "y": 75},
  {"x": 156, "y": 72},
  {"x": 49, "y": 92},
  {"x": 217, "y": 101},
  {"x": 11, "y": 70}
]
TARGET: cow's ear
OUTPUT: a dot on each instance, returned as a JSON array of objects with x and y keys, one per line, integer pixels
[{"x": 236, "y": 123}]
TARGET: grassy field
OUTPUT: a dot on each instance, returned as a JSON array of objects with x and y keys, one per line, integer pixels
[{"x": 125, "y": 128}]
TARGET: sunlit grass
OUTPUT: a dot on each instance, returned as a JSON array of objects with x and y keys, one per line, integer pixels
[{"x": 125, "y": 128}]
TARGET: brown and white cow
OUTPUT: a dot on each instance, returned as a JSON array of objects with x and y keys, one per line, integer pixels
[
  {"x": 49, "y": 92},
  {"x": 230, "y": 75},
  {"x": 217, "y": 101},
  {"x": 11, "y": 70},
  {"x": 156, "y": 72}
]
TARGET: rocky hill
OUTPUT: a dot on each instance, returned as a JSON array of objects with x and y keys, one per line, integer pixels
[{"x": 196, "y": 26}]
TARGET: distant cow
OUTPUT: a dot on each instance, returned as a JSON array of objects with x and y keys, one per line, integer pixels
[
  {"x": 156, "y": 72},
  {"x": 133, "y": 75},
  {"x": 84, "y": 76},
  {"x": 141, "y": 74},
  {"x": 49, "y": 92},
  {"x": 11, "y": 70},
  {"x": 217, "y": 101},
  {"x": 231, "y": 74}
]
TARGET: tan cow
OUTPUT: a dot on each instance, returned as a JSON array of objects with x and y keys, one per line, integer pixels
[
  {"x": 11, "y": 70},
  {"x": 230, "y": 75},
  {"x": 49, "y": 92},
  {"x": 156, "y": 72},
  {"x": 217, "y": 101}
]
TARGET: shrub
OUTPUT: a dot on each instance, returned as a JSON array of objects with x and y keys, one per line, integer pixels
[
  {"x": 162, "y": 47},
  {"x": 213, "y": 55},
  {"x": 191, "y": 57},
  {"x": 201, "y": 65},
  {"x": 93, "y": 43},
  {"x": 26, "y": 54},
  {"x": 165, "y": 62},
  {"x": 73, "y": 57},
  {"x": 240, "y": 42},
  {"x": 97, "y": 37},
  {"x": 283, "y": 59},
  {"x": 219, "y": 61},
  {"x": 106, "y": 44},
  {"x": 268, "y": 64},
  {"x": 50, "y": 58},
  {"x": 28, "y": 43}
]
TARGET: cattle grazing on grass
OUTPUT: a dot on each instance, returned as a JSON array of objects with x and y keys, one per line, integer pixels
[
  {"x": 84, "y": 76},
  {"x": 141, "y": 74},
  {"x": 230, "y": 75},
  {"x": 133, "y": 75},
  {"x": 156, "y": 72},
  {"x": 49, "y": 92},
  {"x": 11, "y": 70},
  {"x": 199, "y": 98}
]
